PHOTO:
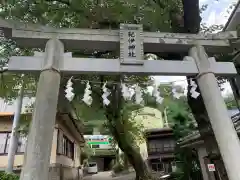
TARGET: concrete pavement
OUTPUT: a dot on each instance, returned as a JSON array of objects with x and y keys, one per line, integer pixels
[{"x": 107, "y": 175}]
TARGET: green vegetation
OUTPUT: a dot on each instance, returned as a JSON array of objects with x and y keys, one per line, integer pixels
[
  {"x": 6, "y": 176},
  {"x": 231, "y": 102},
  {"x": 188, "y": 165}
]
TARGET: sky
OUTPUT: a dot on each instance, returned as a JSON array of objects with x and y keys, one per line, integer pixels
[{"x": 216, "y": 13}]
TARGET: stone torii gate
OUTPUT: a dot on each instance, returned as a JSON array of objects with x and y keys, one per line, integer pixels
[{"x": 133, "y": 43}]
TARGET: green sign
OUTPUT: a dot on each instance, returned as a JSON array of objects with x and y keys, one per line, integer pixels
[{"x": 95, "y": 142}]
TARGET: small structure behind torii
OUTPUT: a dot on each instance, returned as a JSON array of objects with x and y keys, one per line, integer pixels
[{"x": 133, "y": 42}]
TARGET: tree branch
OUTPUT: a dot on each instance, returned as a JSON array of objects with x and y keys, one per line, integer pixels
[
  {"x": 159, "y": 3},
  {"x": 192, "y": 17},
  {"x": 66, "y": 2}
]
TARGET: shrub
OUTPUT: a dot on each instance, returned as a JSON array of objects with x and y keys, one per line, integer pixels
[{"x": 6, "y": 176}]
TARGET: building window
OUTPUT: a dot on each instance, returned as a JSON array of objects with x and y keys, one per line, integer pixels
[
  {"x": 5, "y": 141},
  {"x": 155, "y": 146},
  {"x": 65, "y": 146},
  {"x": 169, "y": 146},
  {"x": 161, "y": 146},
  {"x": 158, "y": 167},
  {"x": 95, "y": 146}
]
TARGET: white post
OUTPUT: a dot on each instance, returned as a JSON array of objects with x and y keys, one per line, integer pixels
[
  {"x": 14, "y": 135},
  {"x": 223, "y": 128},
  {"x": 40, "y": 137},
  {"x": 207, "y": 175}
]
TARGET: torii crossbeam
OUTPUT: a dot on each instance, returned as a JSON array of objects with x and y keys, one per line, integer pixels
[
  {"x": 72, "y": 65},
  {"x": 36, "y": 36}
]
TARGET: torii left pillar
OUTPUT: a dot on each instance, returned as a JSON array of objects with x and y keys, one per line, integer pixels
[{"x": 37, "y": 160}]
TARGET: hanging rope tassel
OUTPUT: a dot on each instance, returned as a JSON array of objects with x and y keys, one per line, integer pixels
[
  {"x": 127, "y": 95},
  {"x": 194, "y": 93},
  {"x": 105, "y": 95},
  {"x": 177, "y": 94},
  {"x": 69, "y": 90},
  {"x": 87, "y": 99}
]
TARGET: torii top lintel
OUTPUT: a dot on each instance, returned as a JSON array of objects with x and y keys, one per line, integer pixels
[{"x": 33, "y": 35}]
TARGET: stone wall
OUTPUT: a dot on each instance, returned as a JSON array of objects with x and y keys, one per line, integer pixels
[
  {"x": 71, "y": 174},
  {"x": 54, "y": 173},
  {"x": 64, "y": 173}
]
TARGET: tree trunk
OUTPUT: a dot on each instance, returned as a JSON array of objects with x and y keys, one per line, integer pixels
[
  {"x": 125, "y": 161},
  {"x": 113, "y": 114},
  {"x": 192, "y": 25},
  {"x": 137, "y": 177}
]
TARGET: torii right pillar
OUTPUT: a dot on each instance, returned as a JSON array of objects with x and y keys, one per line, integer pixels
[{"x": 223, "y": 128}]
